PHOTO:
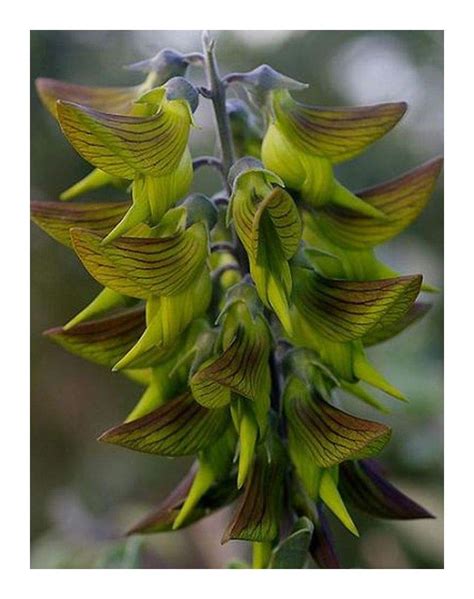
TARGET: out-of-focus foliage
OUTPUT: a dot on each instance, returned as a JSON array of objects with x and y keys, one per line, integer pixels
[{"x": 76, "y": 485}]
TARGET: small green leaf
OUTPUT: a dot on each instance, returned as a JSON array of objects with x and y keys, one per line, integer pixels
[
  {"x": 58, "y": 219},
  {"x": 179, "y": 427},
  {"x": 140, "y": 267},
  {"x": 293, "y": 551}
]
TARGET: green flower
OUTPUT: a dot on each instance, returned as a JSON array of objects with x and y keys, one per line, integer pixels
[
  {"x": 237, "y": 372},
  {"x": 269, "y": 226},
  {"x": 149, "y": 149},
  {"x": 302, "y": 143}
]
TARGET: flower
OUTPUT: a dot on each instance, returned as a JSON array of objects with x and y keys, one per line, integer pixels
[
  {"x": 150, "y": 149},
  {"x": 302, "y": 143},
  {"x": 113, "y": 100},
  {"x": 269, "y": 226}
]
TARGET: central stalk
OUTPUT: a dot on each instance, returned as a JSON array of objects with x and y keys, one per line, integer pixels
[{"x": 217, "y": 96}]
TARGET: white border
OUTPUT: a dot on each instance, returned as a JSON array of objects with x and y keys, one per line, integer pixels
[{"x": 14, "y": 556}]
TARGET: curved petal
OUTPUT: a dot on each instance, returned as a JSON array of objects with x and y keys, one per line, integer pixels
[
  {"x": 401, "y": 200},
  {"x": 57, "y": 219},
  {"x": 125, "y": 145},
  {"x": 141, "y": 267},
  {"x": 106, "y": 340},
  {"x": 179, "y": 427},
  {"x": 338, "y": 133},
  {"x": 168, "y": 317},
  {"x": 270, "y": 229},
  {"x": 118, "y": 100},
  {"x": 388, "y": 330},
  {"x": 242, "y": 368},
  {"x": 346, "y": 310},
  {"x": 328, "y": 435},
  {"x": 362, "y": 483},
  {"x": 257, "y": 517}
]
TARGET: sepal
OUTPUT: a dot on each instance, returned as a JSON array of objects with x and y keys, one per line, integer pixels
[{"x": 167, "y": 63}]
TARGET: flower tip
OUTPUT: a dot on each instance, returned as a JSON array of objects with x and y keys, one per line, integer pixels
[
  {"x": 66, "y": 195},
  {"x": 207, "y": 41},
  {"x": 427, "y": 288},
  {"x": 108, "y": 238},
  {"x": 104, "y": 437}
]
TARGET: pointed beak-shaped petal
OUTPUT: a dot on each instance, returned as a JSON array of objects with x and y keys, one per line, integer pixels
[
  {"x": 180, "y": 427},
  {"x": 365, "y": 487},
  {"x": 257, "y": 516}
]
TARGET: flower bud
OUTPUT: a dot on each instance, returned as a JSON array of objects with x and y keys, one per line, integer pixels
[
  {"x": 179, "y": 88},
  {"x": 166, "y": 64}
]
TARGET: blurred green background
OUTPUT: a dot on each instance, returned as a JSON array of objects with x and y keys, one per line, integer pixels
[{"x": 84, "y": 495}]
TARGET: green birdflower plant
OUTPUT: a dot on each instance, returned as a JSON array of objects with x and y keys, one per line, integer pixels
[{"x": 244, "y": 316}]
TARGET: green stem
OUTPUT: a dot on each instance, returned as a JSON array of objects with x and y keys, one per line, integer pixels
[
  {"x": 218, "y": 96},
  {"x": 261, "y": 554},
  {"x": 216, "y": 92}
]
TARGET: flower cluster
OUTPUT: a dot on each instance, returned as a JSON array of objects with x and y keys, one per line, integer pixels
[{"x": 245, "y": 315}]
